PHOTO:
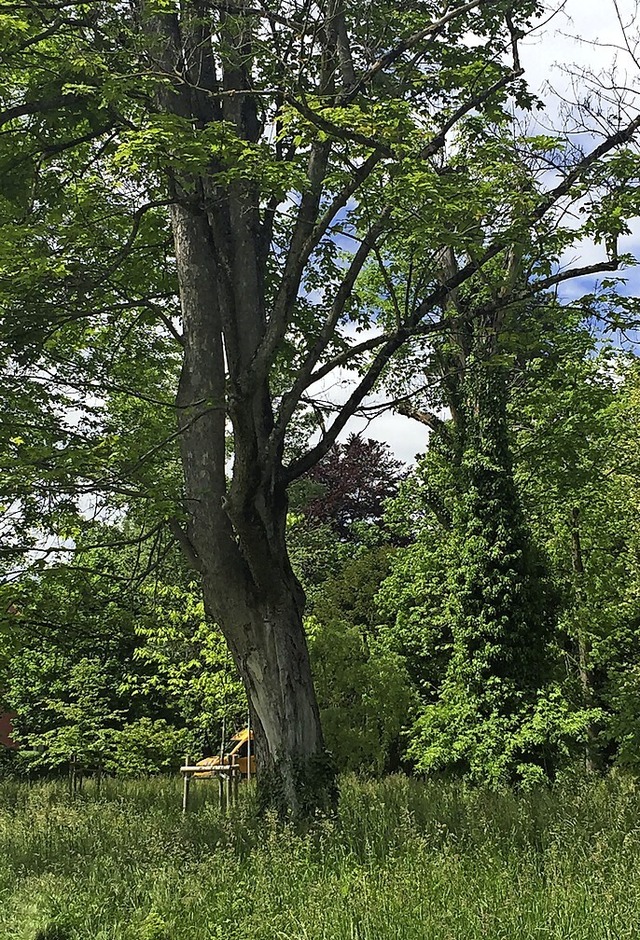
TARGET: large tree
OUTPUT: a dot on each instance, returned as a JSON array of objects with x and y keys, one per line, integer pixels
[{"x": 269, "y": 140}]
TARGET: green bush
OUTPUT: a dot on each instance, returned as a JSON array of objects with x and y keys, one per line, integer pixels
[{"x": 363, "y": 691}]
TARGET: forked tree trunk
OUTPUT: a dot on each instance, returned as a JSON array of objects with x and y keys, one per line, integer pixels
[{"x": 235, "y": 537}]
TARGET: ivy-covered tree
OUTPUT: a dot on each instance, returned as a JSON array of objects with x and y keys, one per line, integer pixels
[
  {"x": 565, "y": 467},
  {"x": 500, "y": 611}
]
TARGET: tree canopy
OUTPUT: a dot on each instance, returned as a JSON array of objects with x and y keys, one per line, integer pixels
[{"x": 208, "y": 211}]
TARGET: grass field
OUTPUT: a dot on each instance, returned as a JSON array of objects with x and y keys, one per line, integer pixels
[{"x": 405, "y": 859}]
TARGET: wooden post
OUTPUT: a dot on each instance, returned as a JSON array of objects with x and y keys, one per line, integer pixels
[
  {"x": 249, "y": 745},
  {"x": 235, "y": 776},
  {"x": 185, "y": 786},
  {"x": 220, "y": 792}
]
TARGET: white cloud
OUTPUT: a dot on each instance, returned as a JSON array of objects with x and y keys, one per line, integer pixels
[
  {"x": 584, "y": 33},
  {"x": 406, "y": 438}
]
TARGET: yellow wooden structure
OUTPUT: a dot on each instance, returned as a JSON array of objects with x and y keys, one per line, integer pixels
[
  {"x": 237, "y": 762},
  {"x": 238, "y": 756}
]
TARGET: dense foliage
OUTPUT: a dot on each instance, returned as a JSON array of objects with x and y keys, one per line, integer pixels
[
  {"x": 214, "y": 218},
  {"x": 123, "y": 677},
  {"x": 463, "y": 635}
]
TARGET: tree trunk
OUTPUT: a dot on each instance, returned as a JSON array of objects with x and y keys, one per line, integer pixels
[
  {"x": 295, "y": 774},
  {"x": 233, "y": 531},
  {"x": 235, "y": 537},
  {"x": 261, "y": 618}
]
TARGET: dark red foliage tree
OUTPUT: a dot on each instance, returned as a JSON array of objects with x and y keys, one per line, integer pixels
[{"x": 354, "y": 479}]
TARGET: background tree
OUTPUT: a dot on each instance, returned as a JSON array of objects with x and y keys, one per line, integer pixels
[
  {"x": 578, "y": 476},
  {"x": 125, "y": 675},
  {"x": 354, "y": 480}
]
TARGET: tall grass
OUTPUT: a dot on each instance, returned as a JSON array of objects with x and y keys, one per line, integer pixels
[{"x": 404, "y": 859}]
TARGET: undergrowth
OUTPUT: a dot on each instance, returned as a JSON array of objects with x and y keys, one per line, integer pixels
[{"x": 404, "y": 859}]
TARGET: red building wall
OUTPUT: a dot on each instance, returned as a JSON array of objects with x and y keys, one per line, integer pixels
[{"x": 5, "y": 730}]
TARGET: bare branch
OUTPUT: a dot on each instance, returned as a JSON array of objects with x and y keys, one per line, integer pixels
[
  {"x": 622, "y": 136},
  {"x": 433, "y": 422},
  {"x": 366, "y": 385},
  {"x": 297, "y": 260},
  {"x": 55, "y": 549},
  {"x": 343, "y": 47},
  {"x": 300, "y": 248},
  {"x": 572, "y": 273},
  {"x": 35, "y": 107},
  {"x": 341, "y": 133},
  {"x": 291, "y": 398},
  {"x": 360, "y": 175},
  {"x": 347, "y": 356},
  {"x": 439, "y": 140},
  {"x": 624, "y": 29}
]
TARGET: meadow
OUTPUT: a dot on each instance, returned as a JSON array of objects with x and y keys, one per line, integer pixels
[{"x": 404, "y": 859}]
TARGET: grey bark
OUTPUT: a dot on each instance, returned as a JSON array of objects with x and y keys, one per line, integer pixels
[
  {"x": 235, "y": 530},
  {"x": 238, "y": 540}
]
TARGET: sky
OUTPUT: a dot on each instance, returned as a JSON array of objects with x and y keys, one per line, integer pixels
[{"x": 545, "y": 55}]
